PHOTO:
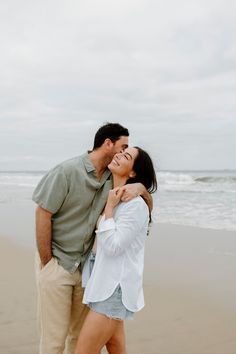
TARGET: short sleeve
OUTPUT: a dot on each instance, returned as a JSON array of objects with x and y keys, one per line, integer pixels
[{"x": 52, "y": 190}]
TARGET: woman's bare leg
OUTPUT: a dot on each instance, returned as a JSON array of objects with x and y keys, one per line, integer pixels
[
  {"x": 97, "y": 330},
  {"x": 116, "y": 344}
]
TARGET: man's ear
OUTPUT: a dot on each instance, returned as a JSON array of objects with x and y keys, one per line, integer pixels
[{"x": 108, "y": 142}]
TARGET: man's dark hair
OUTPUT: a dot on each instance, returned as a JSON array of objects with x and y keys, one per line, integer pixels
[{"x": 112, "y": 131}]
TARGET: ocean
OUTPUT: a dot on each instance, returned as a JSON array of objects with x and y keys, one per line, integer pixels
[{"x": 197, "y": 198}]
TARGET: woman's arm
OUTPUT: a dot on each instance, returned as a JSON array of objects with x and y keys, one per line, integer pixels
[{"x": 115, "y": 235}]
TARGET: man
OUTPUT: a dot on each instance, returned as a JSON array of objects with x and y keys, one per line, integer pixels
[{"x": 70, "y": 199}]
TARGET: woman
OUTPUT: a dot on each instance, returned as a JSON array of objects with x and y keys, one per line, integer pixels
[{"x": 114, "y": 290}]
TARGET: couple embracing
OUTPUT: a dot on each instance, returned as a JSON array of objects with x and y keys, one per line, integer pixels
[{"x": 91, "y": 224}]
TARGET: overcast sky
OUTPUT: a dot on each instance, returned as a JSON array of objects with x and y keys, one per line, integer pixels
[{"x": 164, "y": 69}]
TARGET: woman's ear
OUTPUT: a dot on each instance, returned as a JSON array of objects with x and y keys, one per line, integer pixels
[{"x": 132, "y": 174}]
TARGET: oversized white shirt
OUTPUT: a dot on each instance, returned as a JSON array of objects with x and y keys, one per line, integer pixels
[{"x": 120, "y": 255}]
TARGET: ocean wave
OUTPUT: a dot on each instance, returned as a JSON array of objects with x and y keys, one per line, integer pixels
[
  {"x": 173, "y": 178},
  {"x": 203, "y": 225},
  {"x": 182, "y": 189},
  {"x": 197, "y": 182},
  {"x": 202, "y": 199},
  {"x": 216, "y": 179},
  {"x": 20, "y": 179}
]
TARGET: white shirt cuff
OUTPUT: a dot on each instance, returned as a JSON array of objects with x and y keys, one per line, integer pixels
[{"x": 106, "y": 224}]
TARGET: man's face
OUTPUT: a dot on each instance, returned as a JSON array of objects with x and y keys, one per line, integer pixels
[{"x": 120, "y": 145}]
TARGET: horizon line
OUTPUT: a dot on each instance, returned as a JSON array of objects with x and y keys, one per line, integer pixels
[{"x": 161, "y": 170}]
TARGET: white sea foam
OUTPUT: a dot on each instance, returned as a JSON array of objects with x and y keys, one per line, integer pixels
[
  {"x": 20, "y": 178},
  {"x": 202, "y": 199},
  {"x": 17, "y": 187},
  {"x": 200, "y": 182}
]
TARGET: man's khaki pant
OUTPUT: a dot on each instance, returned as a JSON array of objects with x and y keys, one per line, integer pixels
[{"x": 60, "y": 308}]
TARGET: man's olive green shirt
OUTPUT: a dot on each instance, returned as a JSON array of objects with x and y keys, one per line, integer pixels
[{"x": 73, "y": 194}]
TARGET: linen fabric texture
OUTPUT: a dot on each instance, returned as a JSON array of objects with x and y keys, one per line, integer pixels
[
  {"x": 60, "y": 310},
  {"x": 120, "y": 256},
  {"x": 72, "y": 193}
]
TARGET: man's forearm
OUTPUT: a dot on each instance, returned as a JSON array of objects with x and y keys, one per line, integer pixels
[
  {"x": 132, "y": 190},
  {"x": 147, "y": 197},
  {"x": 44, "y": 234}
]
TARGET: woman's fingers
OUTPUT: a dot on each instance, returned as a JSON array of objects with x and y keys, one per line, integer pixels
[
  {"x": 115, "y": 195},
  {"x": 119, "y": 193}
]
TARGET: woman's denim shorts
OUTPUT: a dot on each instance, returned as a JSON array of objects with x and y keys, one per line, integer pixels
[{"x": 112, "y": 307}]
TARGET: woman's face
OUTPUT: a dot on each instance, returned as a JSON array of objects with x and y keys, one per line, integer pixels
[{"x": 122, "y": 163}]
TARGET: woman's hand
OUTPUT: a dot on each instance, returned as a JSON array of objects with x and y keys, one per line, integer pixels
[
  {"x": 131, "y": 191},
  {"x": 114, "y": 198}
]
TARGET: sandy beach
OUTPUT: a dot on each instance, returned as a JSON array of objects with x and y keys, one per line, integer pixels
[{"x": 190, "y": 292}]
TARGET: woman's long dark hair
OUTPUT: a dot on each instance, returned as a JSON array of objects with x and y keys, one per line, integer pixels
[{"x": 144, "y": 170}]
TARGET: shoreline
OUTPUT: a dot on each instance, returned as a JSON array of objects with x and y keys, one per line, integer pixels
[{"x": 17, "y": 224}]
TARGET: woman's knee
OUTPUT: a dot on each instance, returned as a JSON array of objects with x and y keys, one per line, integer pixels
[{"x": 116, "y": 344}]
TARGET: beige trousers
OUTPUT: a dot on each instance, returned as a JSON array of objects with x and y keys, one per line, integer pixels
[{"x": 60, "y": 309}]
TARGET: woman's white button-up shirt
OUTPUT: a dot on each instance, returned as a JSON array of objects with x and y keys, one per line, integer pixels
[{"x": 120, "y": 255}]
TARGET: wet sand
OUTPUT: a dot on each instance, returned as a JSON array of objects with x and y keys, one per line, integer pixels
[{"x": 190, "y": 293}]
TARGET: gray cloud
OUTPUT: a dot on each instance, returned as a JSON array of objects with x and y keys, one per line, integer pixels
[{"x": 165, "y": 70}]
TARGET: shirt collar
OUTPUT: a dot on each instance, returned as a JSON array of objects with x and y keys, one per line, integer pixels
[
  {"x": 90, "y": 167},
  {"x": 87, "y": 162}
]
